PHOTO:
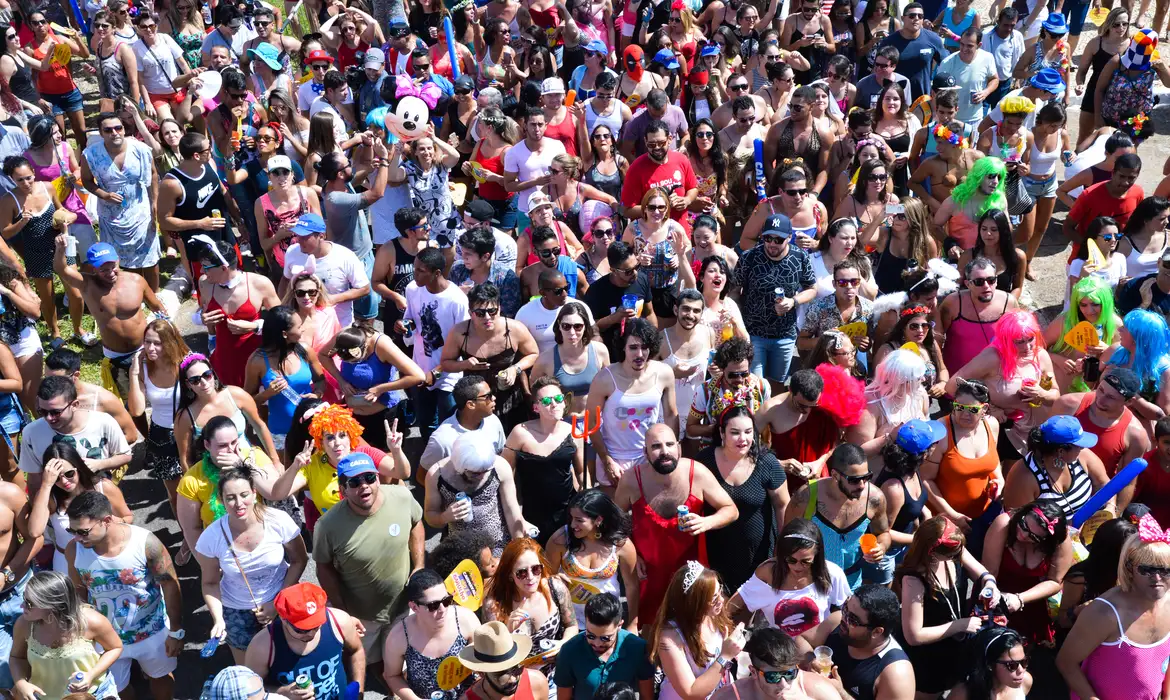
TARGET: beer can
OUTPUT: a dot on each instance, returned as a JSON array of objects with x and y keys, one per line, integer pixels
[
  {"x": 683, "y": 512},
  {"x": 303, "y": 681}
]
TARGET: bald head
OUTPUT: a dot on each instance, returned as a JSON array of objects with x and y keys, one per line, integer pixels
[
  {"x": 554, "y": 290},
  {"x": 662, "y": 448}
]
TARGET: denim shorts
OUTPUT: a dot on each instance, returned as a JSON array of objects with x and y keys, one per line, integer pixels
[
  {"x": 67, "y": 103},
  {"x": 241, "y": 626},
  {"x": 1041, "y": 189}
]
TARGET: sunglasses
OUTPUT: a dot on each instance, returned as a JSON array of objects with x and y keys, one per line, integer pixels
[
  {"x": 557, "y": 290},
  {"x": 704, "y": 134},
  {"x": 549, "y": 252},
  {"x": 738, "y": 375},
  {"x": 915, "y": 15},
  {"x": 629, "y": 271},
  {"x": 200, "y": 378},
  {"x": 1015, "y": 664},
  {"x": 42, "y": 22},
  {"x": 655, "y": 207},
  {"x": 566, "y": 327},
  {"x": 485, "y": 313},
  {"x": 972, "y": 408},
  {"x": 79, "y": 532},
  {"x": 602, "y": 232},
  {"x": 69, "y": 474},
  {"x": 238, "y": 95},
  {"x": 366, "y": 479},
  {"x": 849, "y": 283},
  {"x": 102, "y": 25},
  {"x": 148, "y": 27},
  {"x": 305, "y": 293},
  {"x": 883, "y": 65},
  {"x": 603, "y": 96},
  {"x": 53, "y": 413},
  {"x": 918, "y": 326},
  {"x": 859, "y": 479},
  {"x": 485, "y": 397},
  {"x": 463, "y": 93},
  {"x": 771, "y": 239},
  {"x": 1110, "y": 236},
  {"x": 606, "y": 638},
  {"x": 549, "y": 400},
  {"x": 113, "y": 129},
  {"x": 534, "y": 571},
  {"x": 320, "y": 66},
  {"x": 776, "y": 677},
  {"x": 851, "y": 619},
  {"x": 435, "y": 605},
  {"x": 263, "y": 24},
  {"x": 1150, "y": 571},
  {"x": 878, "y": 177},
  {"x": 982, "y": 281},
  {"x": 796, "y": 193},
  {"x": 737, "y": 88},
  {"x": 270, "y": 139}
]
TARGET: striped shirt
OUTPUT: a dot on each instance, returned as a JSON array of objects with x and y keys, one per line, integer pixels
[{"x": 1070, "y": 500}]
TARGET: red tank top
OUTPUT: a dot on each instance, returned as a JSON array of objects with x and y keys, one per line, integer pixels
[
  {"x": 806, "y": 442},
  {"x": 565, "y": 132},
  {"x": 1110, "y": 441},
  {"x": 348, "y": 55},
  {"x": 664, "y": 548},
  {"x": 230, "y": 358},
  {"x": 492, "y": 190}
]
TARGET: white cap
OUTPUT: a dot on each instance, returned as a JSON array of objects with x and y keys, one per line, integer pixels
[
  {"x": 552, "y": 86},
  {"x": 279, "y": 163},
  {"x": 537, "y": 200}
]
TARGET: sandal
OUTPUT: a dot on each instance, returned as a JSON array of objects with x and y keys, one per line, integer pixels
[
  {"x": 184, "y": 555},
  {"x": 86, "y": 338},
  {"x": 56, "y": 343}
]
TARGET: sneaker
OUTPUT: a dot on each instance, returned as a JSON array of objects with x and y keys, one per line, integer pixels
[{"x": 86, "y": 338}]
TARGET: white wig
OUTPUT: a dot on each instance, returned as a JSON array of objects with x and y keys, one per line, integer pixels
[
  {"x": 473, "y": 452},
  {"x": 897, "y": 384}
]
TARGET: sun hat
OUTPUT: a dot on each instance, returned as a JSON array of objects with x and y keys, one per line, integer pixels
[
  {"x": 267, "y": 53},
  {"x": 1056, "y": 23},
  {"x": 538, "y": 200},
  {"x": 495, "y": 649}
]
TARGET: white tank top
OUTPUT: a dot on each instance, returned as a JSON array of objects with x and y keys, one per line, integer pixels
[
  {"x": 1043, "y": 163},
  {"x": 162, "y": 403},
  {"x": 613, "y": 120},
  {"x": 627, "y": 418},
  {"x": 122, "y": 589}
]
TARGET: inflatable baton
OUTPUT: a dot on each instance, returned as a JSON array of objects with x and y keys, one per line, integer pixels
[
  {"x": 449, "y": 33},
  {"x": 761, "y": 190},
  {"x": 1111, "y": 489}
]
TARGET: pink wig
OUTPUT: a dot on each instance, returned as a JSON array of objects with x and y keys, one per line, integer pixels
[
  {"x": 843, "y": 397},
  {"x": 1013, "y": 326}
]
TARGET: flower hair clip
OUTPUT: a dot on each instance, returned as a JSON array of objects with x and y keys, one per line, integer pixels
[
  {"x": 694, "y": 571},
  {"x": 915, "y": 311}
]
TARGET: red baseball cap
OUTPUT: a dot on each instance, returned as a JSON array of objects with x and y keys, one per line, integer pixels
[
  {"x": 318, "y": 55},
  {"x": 302, "y": 605}
]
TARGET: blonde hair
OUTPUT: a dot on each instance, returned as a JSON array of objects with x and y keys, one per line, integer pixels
[
  {"x": 322, "y": 293},
  {"x": 571, "y": 164},
  {"x": 1137, "y": 553}
]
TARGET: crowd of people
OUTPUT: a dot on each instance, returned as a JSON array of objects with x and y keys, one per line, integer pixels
[{"x": 671, "y": 348}]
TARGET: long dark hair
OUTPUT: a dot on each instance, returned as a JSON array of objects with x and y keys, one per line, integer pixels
[
  {"x": 936, "y": 538},
  {"x": 716, "y": 154},
  {"x": 737, "y": 411},
  {"x": 798, "y": 535},
  {"x": 186, "y": 393},
  {"x": 273, "y": 341},
  {"x": 897, "y": 335},
  {"x": 69, "y": 453},
  {"x": 719, "y": 262},
  {"x": 1100, "y": 569},
  {"x": 1145, "y": 211},
  {"x": 988, "y": 645},
  {"x": 615, "y": 527},
  {"x": 1052, "y": 513},
  {"x": 1007, "y": 247},
  {"x": 298, "y": 430}
]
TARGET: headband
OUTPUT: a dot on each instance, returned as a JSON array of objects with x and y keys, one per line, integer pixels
[
  {"x": 191, "y": 359},
  {"x": 1150, "y": 531},
  {"x": 947, "y": 537},
  {"x": 204, "y": 238},
  {"x": 1049, "y": 523},
  {"x": 915, "y": 310},
  {"x": 942, "y": 132}
]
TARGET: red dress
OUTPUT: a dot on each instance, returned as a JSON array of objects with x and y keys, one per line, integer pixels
[
  {"x": 1032, "y": 622},
  {"x": 663, "y": 547},
  {"x": 230, "y": 358}
]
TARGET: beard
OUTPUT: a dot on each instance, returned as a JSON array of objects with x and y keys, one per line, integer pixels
[
  {"x": 505, "y": 690},
  {"x": 665, "y": 464}
]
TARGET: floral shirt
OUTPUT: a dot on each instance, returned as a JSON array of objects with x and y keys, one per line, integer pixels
[
  {"x": 823, "y": 315},
  {"x": 502, "y": 276},
  {"x": 715, "y": 397}
]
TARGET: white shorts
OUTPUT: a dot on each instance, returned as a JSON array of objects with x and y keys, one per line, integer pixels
[
  {"x": 151, "y": 655},
  {"x": 29, "y": 345},
  {"x": 624, "y": 465},
  {"x": 374, "y": 639}
]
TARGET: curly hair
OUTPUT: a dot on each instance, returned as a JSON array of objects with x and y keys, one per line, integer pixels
[{"x": 335, "y": 419}]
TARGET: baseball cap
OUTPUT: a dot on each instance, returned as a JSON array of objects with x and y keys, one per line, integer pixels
[
  {"x": 777, "y": 224},
  {"x": 917, "y": 435},
  {"x": 308, "y": 224},
  {"x": 399, "y": 29},
  {"x": 1066, "y": 430},
  {"x": 279, "y": 163},
  {"x": 101, "y": 253},
  {"x": 235, "y": 683},
  {"x": 597, "y": 46},
  {"x": 944, "y": 81},
  {"x": 552, "y": 86},
  {"x": 464, "y": 83},
  {"x": 318, "y": 55},
  {"x": 666, "y": 59},
  {"x": 267, "y": 53},
  {"x": 1124, "y": 380},
  {"x": 480, "y": 210},
  {"x": 375, "y": 58},
  {"x": 302, "y": 605},
  {"x": 355, "y": 463},
  {"x": 538, "y": 200},
  {"x": 709, "y": 50}
]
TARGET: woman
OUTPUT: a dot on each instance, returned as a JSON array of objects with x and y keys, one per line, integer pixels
[
  {"x": 30, "y": 211},
  {"x": 995, "y": 243},
  {"x": 246, "y": 557},
  {"x": 796, "y": 575},
  {"x": 65, "y": 476},
  {"x": 496, "y": 134},
  {"x": 548, "y": 463},
  {"x": 836, "y": 349},
  {"x": 1050, "y": 142},
  {"x": 1057, "y": 468},
  {"x": 871, "y": 197},
  {"x": 440, "y": 53},
  {"x": 585, "y": 77},
  {"x": 892, "y": 122},
  {"x": 706, "y": 237},
  {"x": 155, "y": 381},
  {"x": 15, "y": 68},
  {"x": 166, "y": 158},
  {"x": 955, "y": 19},
  {"x": 839, "y": 243},
  {"x": 684, "y": 32},
  {"x": 1106, "y": 235},
  {"x": 605, "y": 168},
  {"x": 1126, "y": 83},
  {"x": 755, "y": 481},
  {"x": 56, "y": 638},
  {"x": 823, "y": 109},
  {"x": 896, "y": 395},
  {"x": 542, "y": 215},
  {"x": 427, "y": 170},
  {"x": 1090, "y": 578},
  {"x": 13, "y": 417},
  {"x": 1001, "y": 669},
  {"x": 652, "y": 237},
  {"x": 1145, "y": 237},
  {"x": 1029, "y": 551},
  {"x": 282, "y": 371},
  {"x": 54, "y": 81},
  {"x": 309, "y": 300},
  {"x": 279, "y": 208},
  {"x": 932, "y": 582},
  {"x": 497, "y": 55},
  {"x": 1144, "y": 347},
  {"x": 594, "y": 550},
  {"x": 907, "y": 245},
  {"x": 18, "y": 328},
  {"x": 1112, "y": 38},
  {"x": 810, "y": 33},
  {"x": 117, "y": 68},
  {"x": 489, "y": 346},
  {"x": 293, "y": 126},
  {"x": 441, "y": 630},
  {"x": 720, "y": 312},
  {"x": 183, "y": 22},
  {"x": 1048, "y": 49},
  {"x": 1092, "y": 301},
  {"x": 254, "y": 172},
  {"x": 876, "y": 24},
  {"x": 902, "y": 485},
  {"x": 372, "y": 376},
  {"x": 322, "y": 140},
  {"x": 569, "y": 193},
  {"x": 576, "y": 358},
  {"x": 915, "y": 326},
  {"x": 692, "y": 637},
  {"x": 594, "y": 262},
  {"x": 839, "y": 72},
  {"x": 461, "y": 113},
  {"x": 165, "y": 75},
  {"x": 845, "y": 184}
]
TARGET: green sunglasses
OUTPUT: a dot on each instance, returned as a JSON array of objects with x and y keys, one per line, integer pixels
[{"x": 548, "y": 400}]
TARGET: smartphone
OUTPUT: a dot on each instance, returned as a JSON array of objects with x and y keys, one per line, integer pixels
[{"x": 892, "y": 209}]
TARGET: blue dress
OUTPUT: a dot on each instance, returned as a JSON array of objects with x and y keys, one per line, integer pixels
[{"x": 129, "y": 226}]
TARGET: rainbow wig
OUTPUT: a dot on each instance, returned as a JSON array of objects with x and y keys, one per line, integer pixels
[
  {"x": 970, "y": 186},
  {"x": 1013, "y": 326},
  {"x": 898, "y": 382},
  {"x": 1151, "y": 342},
  {"x": 335, "y": 419},
  {"x": 1095, "y": 289},
  {"x": 843, "y": 397}
]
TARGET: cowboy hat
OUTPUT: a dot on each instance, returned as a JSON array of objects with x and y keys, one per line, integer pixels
[{"x": 495, "y": 649}]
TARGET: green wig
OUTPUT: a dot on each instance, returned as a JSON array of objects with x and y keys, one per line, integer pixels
[
  {"x": 1095, "y": 289},
  {"x": 970, "y": 185}
]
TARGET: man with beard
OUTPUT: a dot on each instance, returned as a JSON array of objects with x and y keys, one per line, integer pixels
[
  {"x": 495, "y": 654},
  {"x": 802, "y": 452},
  {"x": 365, "y": 548},
  {"x": 659, "y": 167},
  {"x": 732, "y": 383},
  {"x": 607, "y": 296},
  {"x": 630, "y": 396},
  {"x": 665, "y": 538},
  {"x": 799, "y": 130},
  {"x": 843, "y": 506},
  {"x": 115, "y": 298},
  {"x": 686, "y": 351},
  {"x": 967, "y": 332},
  {"x": 775, "y": 673},
  {"x": 602, "y": 653},
  {"x": 539, "y": 315},
  {"x": 1106, "y": 414},
  {"x": 869, "y": 662},
  {"x": 475, "y": 411},
  {"x": 527, "y": 164}
]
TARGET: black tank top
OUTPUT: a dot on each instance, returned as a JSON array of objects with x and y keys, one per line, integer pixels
[
  {"x": 22, "y": 84},
  {"x": 201, "y": 196},
  {"x": 859, "y": 676}
]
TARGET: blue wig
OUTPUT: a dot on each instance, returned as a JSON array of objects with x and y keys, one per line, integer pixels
[
  {"x": 1151, "y": 340},
  {"x": 377, "y": 117}
]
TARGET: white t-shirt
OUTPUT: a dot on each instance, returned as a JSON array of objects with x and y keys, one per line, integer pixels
[
  {"x": 970, "y": 76},
  {"x": 996, "y": 114},
  {"x": 159, "y": 64},
  {"x": 264, "y": 567},
  {"x": 340, "y": 271},
  {"x": 322, "y": 105},
  {"x": 796, "y": 612},
  {"x": 306, "y": 95},
  {"x": 236, "y": 47},
  {"x": 435, "y": 316},
  {"x": 1110, "y": 275},
  {"x": 443, "y": 439},
  {"x": 528, "y": 165},
  {"x": 100, "y": 438},
  {"x": 539, "y": 322}
]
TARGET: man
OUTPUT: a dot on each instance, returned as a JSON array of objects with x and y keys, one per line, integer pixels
[
  {"x": 64, "y": 362},
  {"x": 770, "y": 315},
  {"x": 402, "y": 45},
  {"x": 495, "y": 654},
  {"x": 885, "y": 67},
  {"x": 345, "y": 212},
  {"x": 976, "y": 307},
  {"x": 731, "y": 383},
  {"x": 125, "y": 212},
  {"x": 1006, "y": 45},
  {"x": 1044, "y": 86},
  {"x": 480, "y": 215},
  {"x": 475, "y": 407},
  {"x": 434, "y": 306},
  {"x": 221, "y": 57},
  {"x": 477, "y": 264},
  {"x": 1106, "y": 414},
  {"x": 126, "y": 573},
  {"x": 739, "y": 85},
  {"x": 420, "y": 61},
  {"x": 560, "y": 122},
  {"x": 239, "y": 683},
  {"x": 659, "y": 166},
  {"x": 689, "y": 342},
  {"x": 230, "y": 31},
  {"x": 319, "y": 63},
  {"x": 306, "y": 622},
  {"x": 370, "y": 95},
  {"x": 115, "y": 298},
  {"x": 667, "y": 542},
  {"x": 601, "y": 653},
  {"x": 801, "y": 452},
  {"x": 920, "y": 52},
  {"x": 264, "y": 20},
  {"x": 1151, "y": 292},
  {"x": 540, "y": 213},
  {"x": 17, "y": 556},
  {"x": 526, "y": 164},
  {"x": 958, "y": 216},
  {"x": 869, "y": 662},
  {"x": 539, "y": 315},
  {"x": 832, "y": 504},
  {"x": 621, "y": 295},
  {"x": 337, "y": 101},
  {"x": 845, "y": 305},
  {"x": 658, "y": 109},
  {"x": 1117, "y": 197},
  {"x": 365, "y": 548},
  {"x": 925, "y": 143},
  {"x": 342, "y": 272},
  {"x": 547, "y": 246},
  {"x": 975, "y": 72},
  {"x": 933, "y": 177},
  {"x": 741, "y": 134},
  {"x": 775, "y": 673}
]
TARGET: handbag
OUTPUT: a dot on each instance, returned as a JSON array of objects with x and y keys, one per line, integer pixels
[{"x": 1019, "y": 201}]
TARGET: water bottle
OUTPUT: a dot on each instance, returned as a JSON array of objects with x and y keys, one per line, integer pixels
[
  {"x": 206, "y": 15},
  {"x": 438, "y": 695},
  {"x": 464, "y": 497},
  {"x": 290, "y": 394},
  {"x": 77, "y": 678},
  {"x": 683, "y": 512}
]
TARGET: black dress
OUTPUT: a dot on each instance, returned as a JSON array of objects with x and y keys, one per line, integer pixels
[
  {"x": 736, "y": 550},
  {"x": 510, "y": 405},
  {"x": 900, "y": 144},
  {"x": 935, "y": 669},
  {"x": 546, "y": 487},
  {"x": 1095, "y": 65}
]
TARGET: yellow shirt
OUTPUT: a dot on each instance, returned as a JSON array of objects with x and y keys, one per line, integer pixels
[
  {"x": 322, "y": 478},
  {"x": 197, "y": 487}
]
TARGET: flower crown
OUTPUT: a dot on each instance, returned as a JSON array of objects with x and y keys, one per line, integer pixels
[
  {"x": 915, "y": 311},
  {"x": 942, "y": 132}
]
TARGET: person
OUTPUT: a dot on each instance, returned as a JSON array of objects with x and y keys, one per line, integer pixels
[
  {"x": 576, "y": 356},
  {"x": 17, "y": 557},
  {"x": 229, "y": 31},
  {"x": 546, "y": 245},
  {"x": 663, "y": 538},
  {"x": 440, "y": 627},
  {"x": 55, "y": 82},
  {"x": 966, "y": 337},
  {"x": 275, "y": 562},
  {"x": 526, "y": 168},
  {"x": 738, "y": 136},
  {"x": 980, "y": 191},
  {"x": 620, "y": 296},
  {"x": 996, "y": 244},
  {"x": 869, "y": 662},
  {"x": 1001, "y": 666},
  {"x": 110, "y": 561},
  {"x": 1106, "y": 235},
  {"x": 475, "y": 406},
  {"x": 394, "y": 263},
  {"x": 65, "y": 362},
  {"x": 731, "y": 384},
  {"x": 915, "y": 326},
  {"x": 478, "y": 264},
  {"x": 713, "y": 280},
  {"x": 1142, "y": 339},
  {"x": 799, "y": 138},
  {"x": 426, "y": 174},
  {"x": 542, "y": 214},
  {"x": 897, "y": 127},
  {"x": 899, "y": 478},
  {"x": 1145, "y": 241},
  {"x": 1091, "y": 299},
  {"x": 658, "y": 168},
  {"x": 155, "y": 380},
  {"x": 1112, "y": 40},
  {"x": 539, "y": 315},
  {"x": 1118, "y": 197},
  {"x": 1006, "y": 45},
  {"x": 920, "y": 51},
  {"x": 687, "y": 350},
  {"x": 601, "y": 653},
  {"x": 1096, "y": 157},
  {"x": 594, "y": 261},
  {"x": 363, "y": 573},
  {"x": 775, "y": 672},
  {"x": 800, "y": 451},
  {"x": 343, "y": 273},
  {"x": 283, "y": 203},
  {"x": 495, "y": 654},
  {"x": 64, "y": 636},
  {"x": 1152, "y": 482},
  {"x": 307, "y": 637},
  {"x": 18, "y": 329},
  {"x": 845, "y": 306},
  {"x": 1104, "y": 413},
  {"x": 1126, "y": 82},
  {"x": 268, "y": 377},
  {"x": 1088, "y": 579},
  {"x": 882, "y": 63},
  {"x": 1057, "y": 468}
]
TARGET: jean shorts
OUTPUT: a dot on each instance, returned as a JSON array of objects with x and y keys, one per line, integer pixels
[
  {"x": 67, "y": 103},
  {"x": 241, "y": 626},
  {"x": 1041, "y": 189}
]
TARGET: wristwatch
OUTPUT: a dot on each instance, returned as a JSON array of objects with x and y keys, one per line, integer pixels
[{"x": 177, "y": 634}]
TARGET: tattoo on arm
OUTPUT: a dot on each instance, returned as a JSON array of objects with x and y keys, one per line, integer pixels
[{"x": 158, "y": 559}]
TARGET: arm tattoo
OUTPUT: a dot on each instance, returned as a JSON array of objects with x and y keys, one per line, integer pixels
[{"x": 158, "y": 559}]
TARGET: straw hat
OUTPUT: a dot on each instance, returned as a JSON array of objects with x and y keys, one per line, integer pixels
[{"x": 495, "y": 649}]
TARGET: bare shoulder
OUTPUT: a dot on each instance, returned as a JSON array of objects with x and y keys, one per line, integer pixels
[
  {"x": 818, "y": 687},
  {"x": 12, "y": 496}
]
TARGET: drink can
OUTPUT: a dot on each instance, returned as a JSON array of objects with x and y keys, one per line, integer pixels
[
  {"x": 1066, "y": 158},
  {"x": 303, "y": 681},
  {"x": 438, "y": 695},
  {"x": 70, "y": 246},
  {"x": 779, "y": 293},
  {"x": 464, "y": 497},
  {"x": 409, "y": 326},
  {"x": 683, "y": 512}
]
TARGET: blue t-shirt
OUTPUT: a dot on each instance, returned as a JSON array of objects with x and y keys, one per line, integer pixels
[
  {"x": 919, "y": 58},
  {"x": 579, "y": 668}
]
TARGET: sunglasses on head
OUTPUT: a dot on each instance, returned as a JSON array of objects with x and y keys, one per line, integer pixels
[
  {"x": 776, "y": 677},
  {"x": 549, "y": 400},
  {"x": 434, "y": 605},
  {"x": 366, "y": 479}
]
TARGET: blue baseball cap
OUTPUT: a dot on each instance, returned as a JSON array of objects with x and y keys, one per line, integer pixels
[
  {"x": 777, "y": 225},
  {"x": 709, "y": 50},
  {"x": 667, "y": 59},
  {"x": 916, "y": 436},
  {"x": 101, "y": 253},
  {"x": 597, "y": 46},
  {"x": 355, "y": 463},
  {"x": 1066, "y": 430},
  {"x": 308, "y": 224}
]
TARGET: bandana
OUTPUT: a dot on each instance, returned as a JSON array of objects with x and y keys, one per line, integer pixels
[{"x": 1141, "y": 50}]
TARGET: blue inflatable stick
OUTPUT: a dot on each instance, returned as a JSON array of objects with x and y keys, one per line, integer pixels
[
  {"x": 449, "y": 33},
  {"x": 1111, "y": 489},
  {"x": 761, "y": 189},
  {"x": 79, "y": 16}
]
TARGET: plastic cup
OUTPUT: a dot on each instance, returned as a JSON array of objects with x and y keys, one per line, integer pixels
[
  {"x": 868, "y": 543},
  {"x": 823, "y": 660},
  {"x": 630, "y": 301}
]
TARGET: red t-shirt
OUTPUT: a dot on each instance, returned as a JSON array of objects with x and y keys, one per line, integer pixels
[
  {"x": 1096, "y": 201},
  {"x": 676, "y": 176},
  {"x": 1153, "y": 487}
]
